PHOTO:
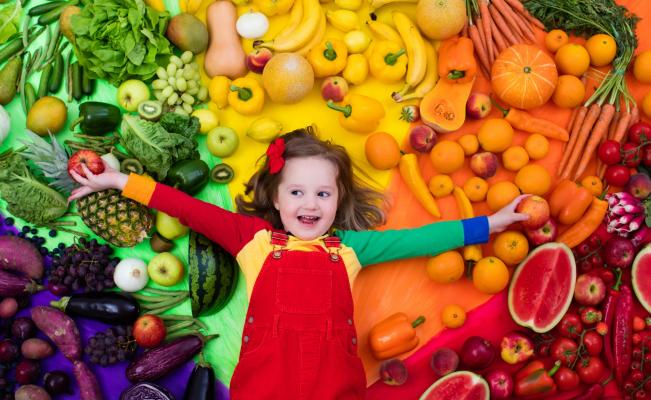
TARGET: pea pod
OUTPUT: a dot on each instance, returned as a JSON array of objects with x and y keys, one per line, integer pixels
[
  {"x": 56, "y": 77},
  {"x": 97, "y": 118},
  {"x": 189, "y": 176}
]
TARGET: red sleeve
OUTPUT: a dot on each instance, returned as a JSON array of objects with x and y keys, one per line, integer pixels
[{"x": 228, "y": 229}]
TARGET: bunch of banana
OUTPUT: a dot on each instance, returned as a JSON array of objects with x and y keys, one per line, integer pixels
[
  {"x": 416, "y": 50},
  {"x": 375, "y": 4},
  {"x": 264, "y": 130},
  {"x": 305, "y": 28},
  {"x": 430, "y": 79},
  {"x": 471, "y": 253}
]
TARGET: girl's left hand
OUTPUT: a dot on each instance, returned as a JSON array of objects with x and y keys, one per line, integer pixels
[{"x": 507, "y": 216}]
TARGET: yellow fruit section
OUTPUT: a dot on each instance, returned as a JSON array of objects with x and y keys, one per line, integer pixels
[
  {"x": 441, "y": 185},
  {"x": 469, "y": 144},
  {"x": 642, "y": 67}
]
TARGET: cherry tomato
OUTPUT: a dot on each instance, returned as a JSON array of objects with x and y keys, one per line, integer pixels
[
  {"x": 593, "y": 343},
  {"x": 594, "y": 241},
  {"x": 631, "y": 154},
  {"x": 638, "y": 324},
  {"x": 596, "y": 260},
  {"x": 639, "y": 133},
  {"x": 641, "y": 394},
  {"x": 566, "y": 379},
  {"x": 646, "y": 156},
  {"x": 570, "y": 326},
  {"x": 590, "y": 315},
  {"x": 617, "y": 175},
  {"x": 609, "y": 152},
  {"x": 636, "y": 376},
  {"x": 591, "y": 370},
  {"x": 584, "y": 248},
  {"x": 564, "y": 349},
  {"x": 602, "y": 328}
]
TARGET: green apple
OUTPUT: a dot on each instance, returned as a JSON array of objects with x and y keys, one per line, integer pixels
[
  {"x": 222, "y": 141},
  {"x": 169, "y": 227},
  {"x": 131, "y": 93},
  {"x": 165, "y": 269}
]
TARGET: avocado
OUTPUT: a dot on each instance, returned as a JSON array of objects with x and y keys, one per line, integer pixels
[{"x": 8, "y": 79}]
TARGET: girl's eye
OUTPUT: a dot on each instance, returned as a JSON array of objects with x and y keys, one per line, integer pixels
[
  {"x": 296, "y": 192},
  {"x": 324, "y": 194}
]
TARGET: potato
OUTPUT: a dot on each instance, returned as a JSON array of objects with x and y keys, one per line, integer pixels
[
  {"x": 36, "y": 349},
  {"x": 31, "y": 392}
]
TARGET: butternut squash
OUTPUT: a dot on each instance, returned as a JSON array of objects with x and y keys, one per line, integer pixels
[
  {"x": 444, "y": 107},
  {"x": 225, "y": 55}
]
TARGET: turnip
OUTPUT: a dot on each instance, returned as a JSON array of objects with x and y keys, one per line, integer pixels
[{"x": 131, "y": 274}]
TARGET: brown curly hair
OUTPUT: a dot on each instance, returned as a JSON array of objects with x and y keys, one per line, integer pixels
[{"x": 359, "y": 207}]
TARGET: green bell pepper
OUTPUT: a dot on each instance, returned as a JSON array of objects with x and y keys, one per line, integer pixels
[
  {"x": 189, "y": 176},
  {"x": 97, "y": 118}
]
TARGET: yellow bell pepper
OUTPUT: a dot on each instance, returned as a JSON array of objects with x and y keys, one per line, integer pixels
[
  {"x": 218, "y": 89},
  {"x": 356, "y": 69},
  {"x": 246, "y": 96},
  {"x": 388, "y": 61},
  {"x": 328, "y": 58},
  {"x": 359, "y": 113}
]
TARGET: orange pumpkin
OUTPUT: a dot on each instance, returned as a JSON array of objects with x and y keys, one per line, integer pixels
[{"x": 524, "y": 76}]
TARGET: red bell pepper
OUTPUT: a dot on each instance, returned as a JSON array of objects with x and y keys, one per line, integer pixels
[{"x": 535, "y": 379}]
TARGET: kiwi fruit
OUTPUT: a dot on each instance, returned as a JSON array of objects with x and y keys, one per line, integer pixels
[
  {"x": 131, "y": 165},
  {"x": 151, "y": 110},
  {"x": 222, "y": 173},
  {"x": 159, "y": 244}
]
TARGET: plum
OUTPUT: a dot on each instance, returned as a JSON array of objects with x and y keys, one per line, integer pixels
[
  {"x": 393, "y": 372},
  {"x": 27, "y": 371},
  {"x": 444, "y": 361},
  {"x": 477, "y": 353}
]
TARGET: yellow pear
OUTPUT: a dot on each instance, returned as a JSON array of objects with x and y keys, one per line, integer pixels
[{"x": 169, "y": 227}]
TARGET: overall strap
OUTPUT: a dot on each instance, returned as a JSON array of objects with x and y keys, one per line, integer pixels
[
  {"x": 333, "y": 243},
  {"x": 278, "y": 241}
]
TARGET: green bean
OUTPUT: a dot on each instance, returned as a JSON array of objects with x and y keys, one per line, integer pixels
[
  {"x": 57, "y": 74},
  {"x": 52, "y": 45},
  {"x": 21, "y": 83},
  {"x": 43, "y": 8},
  {"x": 26, "y": 31},
  {"x": 30, "y": 96},
  {"x": 43, "y": 87}
]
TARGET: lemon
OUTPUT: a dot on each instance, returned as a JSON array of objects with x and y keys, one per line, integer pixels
[{"x": 207, "y": 120}]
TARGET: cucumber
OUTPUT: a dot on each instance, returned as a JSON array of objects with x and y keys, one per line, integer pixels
[{"x": 213, "y": 274}]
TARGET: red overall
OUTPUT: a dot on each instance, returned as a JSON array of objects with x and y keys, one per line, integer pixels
[{"x": 299, "y": 338}]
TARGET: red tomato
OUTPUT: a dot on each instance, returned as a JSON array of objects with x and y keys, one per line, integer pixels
[
  {"x": 566, "y": 379},
  {"x": 591, "y": 370},
  {"x": 593, "y": 343},
  {"x": 570, "y": 326},
  {"x": 631, "y": 154},
  {"x": 609, "y": 152},
  {"x": 617, "y": 175},
  {"x": 639, "y": 133},
  {"x": 646, "y": 156},
  {"x": 564, "y": 349}
]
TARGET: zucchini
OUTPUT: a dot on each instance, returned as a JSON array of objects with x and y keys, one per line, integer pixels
[
  {"x": 213, "y": 274},
  {"x": 201, "y": 385},
  {"x": 110, "y": 307}
]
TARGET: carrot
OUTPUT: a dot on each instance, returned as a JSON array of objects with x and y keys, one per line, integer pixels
[
  {"x": 599, "y": 131},
  {"x": 567, "y": 151},
  {"x": 586, "y": 127},
  {"x": 508, "y": 15},
  {"x": 622, "y": 125},
  {"x": 525, "y": 13},
  {"x": 601, "y": 171},
  {"x": 570, "y": 124},
  {"x": 635, "y": 116},
  {"x": 525, "y": 27},
  {"x": 507, "y": 30},
  {"x": 516, "y": 5},
  {"x": 486, "y": 26},
  {"x": 473, "y": 32},
  {"x": 500, "y": 42},
  {"x": 613, "y": 124},
  {"x": 464, "y": 31}
]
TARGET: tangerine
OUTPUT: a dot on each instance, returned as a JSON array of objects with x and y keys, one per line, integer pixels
[
  {"x": 447, "y": 156},
  {"x": 440, "y": 185},
  {"x": 490, "y": 275},
  {"x": 453, "y": 316},
  {"x": 533, "y": 179},
  {"x": 495, "y": 135},
  {"x": 475, "y": 189},
  {"x": 514, "y": 158},
  {"x": 469, "y": 143},
  {"x": 382, "y": 150},
  {"x": 572, "y": 59},
  {"x": 569, "y": 91},
  {"x": 511, "y": 247},
  {"x": 642, "y": 67},
  {"x": 537, "y": 146},
  {"x": 501, "y": 194},
  {"x": 602, "y": 49},
  {"x": 555, "y": 39},
  {"x": 593, "y": 184},
  {"x": 446, "y": 267}
]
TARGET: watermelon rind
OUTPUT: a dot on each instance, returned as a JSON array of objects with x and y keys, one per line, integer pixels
[
  {"x": 637, "y": 276},
  {"x": 530, "y": 323},
  {"x": 474, "y": 380}
]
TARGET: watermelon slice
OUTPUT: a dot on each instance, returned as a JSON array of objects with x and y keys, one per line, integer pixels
[
  {"x": 542, "y": 287},
  {"x": 460, "y": 385},
  {"x": 640, "y": 276}
]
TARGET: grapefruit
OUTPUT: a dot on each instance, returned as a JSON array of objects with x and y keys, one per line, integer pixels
[
  {"x": 287, "y": 78},
  {"x": 640, "y": 274},
  {"x": 460, "y": 385},
  {"x": 440, "y": 19},
  {"x": 542, "y": 287}
]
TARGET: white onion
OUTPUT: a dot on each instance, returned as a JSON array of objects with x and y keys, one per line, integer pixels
[
  {"x": 131, "y": 274},
  {"x": 252, "y": 25}
]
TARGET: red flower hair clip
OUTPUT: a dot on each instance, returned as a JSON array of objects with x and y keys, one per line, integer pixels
[{"x": 275, "y": 155}]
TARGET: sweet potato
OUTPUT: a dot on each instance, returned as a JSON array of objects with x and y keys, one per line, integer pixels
[
  {"x": 31, "y": 392},
  {"x": 20, "y": 255},
  {"x": 60, "y": 328},
  {"x": 89, "y": 388},
  {"x": 36, "y": 349}
]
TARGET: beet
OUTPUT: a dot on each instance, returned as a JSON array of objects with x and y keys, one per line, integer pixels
[
  {"x": 20, "y": 255},
  {"x": 146, "y": 390}
]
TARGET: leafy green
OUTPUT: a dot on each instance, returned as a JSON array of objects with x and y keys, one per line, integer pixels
[
  {"x": 118, "y": 40},
  {"x": 156, "y": 148},
  {"x": 10, "y": 16},
  {"x": 26, "y": 196},
  {"x": 186, "y": 126}
]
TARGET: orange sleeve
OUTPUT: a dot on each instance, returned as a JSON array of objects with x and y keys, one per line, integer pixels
[{"x": 139, "y": 188}]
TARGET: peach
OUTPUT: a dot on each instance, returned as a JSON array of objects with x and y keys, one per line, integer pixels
[
  {"x": 422, "y": 138},
  {"x": 484, "y": 165},
  {"x": 537, "y": 209},
  {"x": 257, "y": 59},
  {"x": 393, "y": 372},
  {"x": 639, "y": 185},
  {"x": 478, "y": 106},
  {"x": 334, "y": 88}
]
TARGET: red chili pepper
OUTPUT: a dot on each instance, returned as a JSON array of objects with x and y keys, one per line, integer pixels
[
  {"x": 594, "y": 392},
  {"x": 622, "y": 332},
  {"x": 608, "y": 316}
]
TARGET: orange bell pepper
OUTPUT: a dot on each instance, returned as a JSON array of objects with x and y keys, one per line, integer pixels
[
  {"x": 393, "y": 335},
  {"x": 457, "y": 60},
  {"x": 569, "y": 201},
  {"x": 584, "y": 227}
]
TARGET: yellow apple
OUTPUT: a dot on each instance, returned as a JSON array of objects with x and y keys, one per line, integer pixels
[{"x": 169, "y": 227}]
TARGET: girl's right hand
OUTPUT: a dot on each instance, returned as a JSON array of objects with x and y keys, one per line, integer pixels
[{"x": 109, "y": 179}]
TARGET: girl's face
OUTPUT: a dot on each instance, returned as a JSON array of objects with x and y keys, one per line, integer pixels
[{"x": 307, "y": 196}]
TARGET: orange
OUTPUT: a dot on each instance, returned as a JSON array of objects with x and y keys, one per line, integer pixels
[
  {"x": 501, "y": 194},
  {"x": 382, "y": 150},
  {"x": 569, "y": 91},
  {"x": 475, "y": 189},
  {"x": 447, "y": 156},
  {"x": 453, "y": 316},
  {"x": 555, "y": 39},
  {"x": 534, "y": 179},
  {"x": 572, "y": 59},
  {"x": 490, "y": 275},
  {"x": 602, "y": 49},
  {"x": 511, "y": 247},
  {"x": 446, "y": 267},
  {"x": 495, "y": 135},
  {"x": 514, "y": 158},
  {"x": 440, "y": 185},
  {"x": 537, "y": 146},
  {"x": 593, "y": 184},
  {"x": 642, "y": 67},
  {"x": 469, "y": 143},
  {"x": 646, "y": 105}
]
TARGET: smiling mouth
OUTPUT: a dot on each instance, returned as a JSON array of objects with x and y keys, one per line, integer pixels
[{"x": 310, "y": 220}]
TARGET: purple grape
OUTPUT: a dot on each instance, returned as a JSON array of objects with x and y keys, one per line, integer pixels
[
  {"x": 57, "y": 382},
  {"x": 8, "y": 351},
  {"x": 57, "y": 289}
]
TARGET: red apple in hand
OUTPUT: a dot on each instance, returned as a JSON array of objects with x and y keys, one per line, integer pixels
[
  {"x": 149, "y": 331},
  {"x": 537, "y": 209},
  {"x": 92, "y": 160}
]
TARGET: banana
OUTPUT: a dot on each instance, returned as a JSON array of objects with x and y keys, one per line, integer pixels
[
  {"x": 316, "y": 39},
  {"x": 264, "y": 129},
  {"x": 352, "y": 5},
  {"x": 415, "y": 45},
  {"x": 384, "y": 32},
  {"x": 431, "y": 76},
  {"x": 305, "y": 31},
  {"x": 471, "y": 253},
  {"x": 375, "y": 4},
  {"x": 193, "y": 6},
  {"x": 344, "y": 20},
  {"x": 295, "y": 17}
]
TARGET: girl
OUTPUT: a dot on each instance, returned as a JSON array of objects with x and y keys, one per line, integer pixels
[{"x": 300, "y": 241}]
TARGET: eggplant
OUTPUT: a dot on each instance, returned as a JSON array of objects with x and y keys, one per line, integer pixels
[
  {"x": 12, "y": 285},
  {"x": 146, "y": 390},
  {"x": 110, "y": 307},
  {"x": 161, "y": 360},
  {"x": 201, "y": 385}
]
